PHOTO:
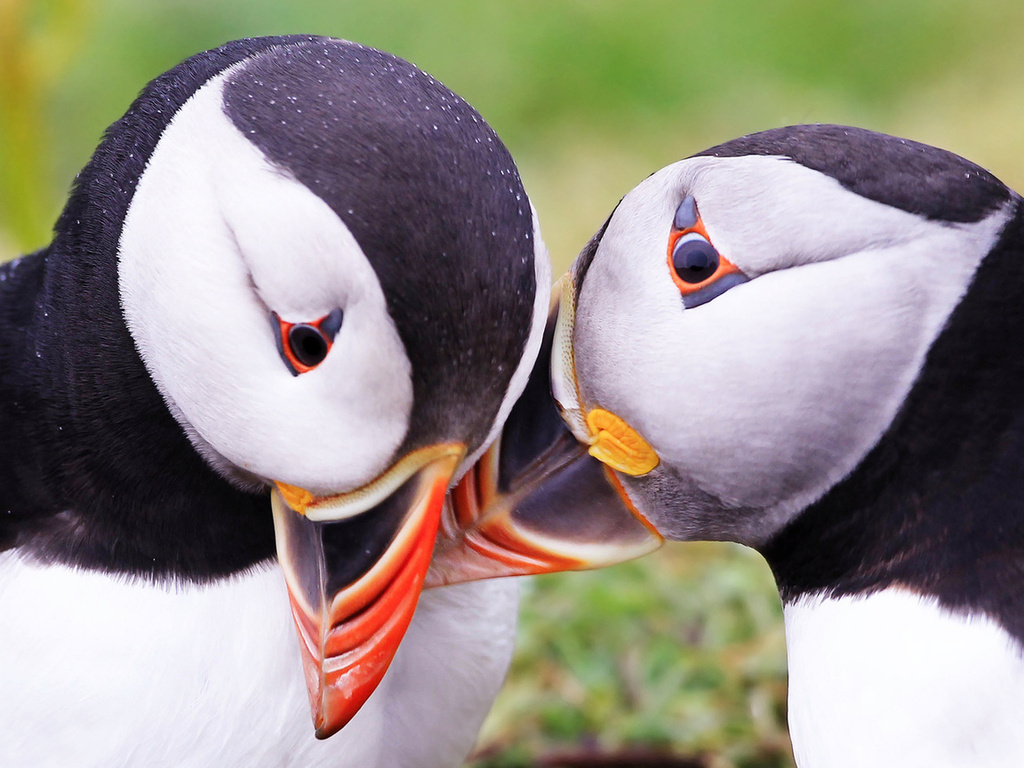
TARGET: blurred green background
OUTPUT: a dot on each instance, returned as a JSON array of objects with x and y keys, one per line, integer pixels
[{"x": 681, "y": 654}]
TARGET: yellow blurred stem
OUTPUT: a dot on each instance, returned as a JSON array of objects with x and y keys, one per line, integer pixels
[
  {"x": 35, "y": 47},
  {"x": 21, "y": 182}
]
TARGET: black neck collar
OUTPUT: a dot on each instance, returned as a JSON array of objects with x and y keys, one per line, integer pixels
[
  {"x": 936, "y": 506},
  {"x": 94, "y": 471}
]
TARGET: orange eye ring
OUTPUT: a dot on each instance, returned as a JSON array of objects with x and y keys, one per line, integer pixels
[
  {"x": 695, "y": 265},
  {"x": 303, "y": 346},
  {"x": 687, "y": 286}
]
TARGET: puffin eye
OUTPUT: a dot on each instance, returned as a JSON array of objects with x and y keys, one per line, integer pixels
[
  {"x": 699, "y": 271},
  {"x": 303, "y": 346},
  {"x": 307, "y": 344},
  {"x": 694, "y": 259}
]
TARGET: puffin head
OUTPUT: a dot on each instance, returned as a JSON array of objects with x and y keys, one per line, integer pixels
[
  {"x": 751, "y": 321},
  {"x": 331, "y": 273},
  {"x": 756, "y": 315}
]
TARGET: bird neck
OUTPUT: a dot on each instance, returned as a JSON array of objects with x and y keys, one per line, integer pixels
[
  {"x": 936, "y": 505},
  {"x": 23, "y": 455},
  {"x": 94, "y": 470}
]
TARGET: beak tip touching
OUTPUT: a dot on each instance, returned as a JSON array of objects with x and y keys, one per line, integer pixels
[{"x": 537, "y": 507}]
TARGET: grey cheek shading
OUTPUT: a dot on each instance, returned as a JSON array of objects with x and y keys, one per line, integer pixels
[
  {"x": 714, "y": 290},
  {"x": 686, "y": 214},
  {"x": 683, "y": 511}
]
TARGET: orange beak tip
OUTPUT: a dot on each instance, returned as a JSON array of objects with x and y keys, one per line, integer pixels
[{"x": 349, "y": 634}]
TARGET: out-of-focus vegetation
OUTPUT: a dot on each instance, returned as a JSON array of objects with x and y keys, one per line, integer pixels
[
  {"x": 683, "y": 652},
  {"x": 590, "y": 95}
]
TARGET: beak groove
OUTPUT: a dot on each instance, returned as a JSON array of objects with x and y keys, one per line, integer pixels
[
  {"x": 353, "y": 582},
  {"x": 484, "y": 519}
]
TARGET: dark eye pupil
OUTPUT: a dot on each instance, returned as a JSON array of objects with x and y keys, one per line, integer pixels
[
  {"x": 694, "y": 259},
  {"x": 307, "y": 343}
]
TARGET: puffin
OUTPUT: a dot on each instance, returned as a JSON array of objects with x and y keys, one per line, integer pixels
[
  {"x": 810, "y": 341},
  {"x": 291, "y": 299}
]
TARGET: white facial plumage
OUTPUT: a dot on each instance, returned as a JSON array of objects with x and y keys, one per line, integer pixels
[
  {"x": 216, "y": 239},
  {"x": 800, "y": 369}
]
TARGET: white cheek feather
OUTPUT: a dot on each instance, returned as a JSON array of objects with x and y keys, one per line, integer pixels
[
  {"x": 895, "y": 680},
  {"x": 215, "y": 240},
  {"x": 150, "y": 675},
  {"x": 798, "y": 371}
]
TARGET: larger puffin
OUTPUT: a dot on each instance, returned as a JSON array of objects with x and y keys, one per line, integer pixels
[
  {"x": 296, "y": 264},
  {"x": 811, "y": 341}
]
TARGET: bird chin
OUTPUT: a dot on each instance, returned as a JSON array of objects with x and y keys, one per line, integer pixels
[{"x": 354, "y": 583}]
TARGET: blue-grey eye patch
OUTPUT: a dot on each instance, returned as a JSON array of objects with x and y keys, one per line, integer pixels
[
  {"x": 686, "y": 214},
  {"x": 714, "y": 290}
]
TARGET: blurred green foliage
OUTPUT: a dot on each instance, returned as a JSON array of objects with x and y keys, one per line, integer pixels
[
  {"x": 682, "y": 651},
  {"x": 590, "y": 95}
]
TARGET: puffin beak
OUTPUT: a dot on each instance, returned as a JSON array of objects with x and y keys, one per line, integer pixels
[
  {"x": 544, "y": 497},
  {"x": 354, "y": 565}
]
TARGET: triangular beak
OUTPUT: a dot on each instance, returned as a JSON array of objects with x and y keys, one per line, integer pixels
[
  {"x": 354, "y": 577},
  {"x": 538, "y": 501}
]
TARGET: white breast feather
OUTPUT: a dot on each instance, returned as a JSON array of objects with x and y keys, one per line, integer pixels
[
  {"x": 97, "y": 671},
  {"x": 895, "y": 680}
]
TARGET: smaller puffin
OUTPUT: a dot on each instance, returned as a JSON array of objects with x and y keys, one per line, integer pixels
[
  {"x": 811, "y": 341},
  {"x": 293, "y": 295}
]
